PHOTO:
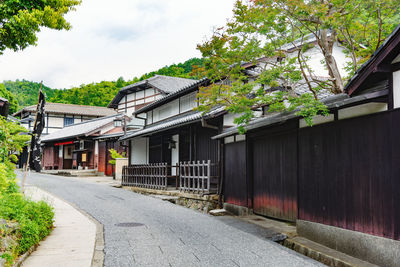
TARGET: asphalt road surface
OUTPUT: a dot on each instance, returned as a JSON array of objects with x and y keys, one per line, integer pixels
[{"x": 158, "y": 233}]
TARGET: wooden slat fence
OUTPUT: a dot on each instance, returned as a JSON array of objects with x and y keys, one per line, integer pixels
[
  {"x": 197, "y": 177},
  {"x": 153, "y": 175}
]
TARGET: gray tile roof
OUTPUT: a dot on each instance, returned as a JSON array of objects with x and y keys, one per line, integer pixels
[
  {"x": 173, "y": 123},
  {"x": 70, "y": 109},
  {"x": 165, "y": 84},
  {"x": 184, "y": 90},
  {"x": 79, "y": 129}
]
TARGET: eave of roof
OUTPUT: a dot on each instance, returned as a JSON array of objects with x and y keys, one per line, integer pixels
[
  {"x": 174, "y": 123},
  {"x": 79, "y": 129},
  {"x": 376, "y": 58},
  {"x": 332, "y": 102},
  {"x": 71, "y": 109},
  {"x": 172, "y": 96}
]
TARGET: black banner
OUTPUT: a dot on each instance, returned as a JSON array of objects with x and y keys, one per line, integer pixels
[{"x": 35, "y": 159}]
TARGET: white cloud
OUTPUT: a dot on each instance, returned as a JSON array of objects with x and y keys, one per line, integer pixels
[{"x": 126, "y": 38}]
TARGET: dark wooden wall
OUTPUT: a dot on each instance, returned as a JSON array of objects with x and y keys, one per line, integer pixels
[
  {"x": 205, "y": 147},
  {"x": 195, "y": 144},
  {"x": 235, "y": 182},
  {"x": 274, "y": 171},
  {"x": 349, "y": 174}
]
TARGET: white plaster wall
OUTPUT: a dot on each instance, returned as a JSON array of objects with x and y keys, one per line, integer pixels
[
  {"x": 229, "y": 139},
  {"x": 228, "y": 119},
  {"x": 149, "y": 92},
  {"x": 317, "y": 120},
  {"x": 188, "y": 102},
  {"x": 361, "y": 110},
  {"x": 121, "y": 105},
  {"x": 140, "y": 150},
  {"x": 315, "y": 57},
  {"x": 56, "y": 122},
  {"x": 396, "y": 89},
  {"x": 129, "y": 97},
  {"x": 136, "y": 122},
  {"x": 96, "y": 147},
  {"x": 165, "y": 111},
  {"x": 175, "y": 153},
  {"x": 139, "y": 94},
  {"x": 130, "y": 110}
]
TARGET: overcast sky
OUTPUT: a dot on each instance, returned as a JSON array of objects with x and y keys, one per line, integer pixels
[{"x": 117, "y": 38}]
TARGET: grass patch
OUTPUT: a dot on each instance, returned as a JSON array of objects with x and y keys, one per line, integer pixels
[{"x": 32, "y": 221}]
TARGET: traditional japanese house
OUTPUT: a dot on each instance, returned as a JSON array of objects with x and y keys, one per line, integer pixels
[
  {"x": 77, "y": 146},
  {"x": 339, "y": 179},
  {"x": 60, "y": 115},
  {"x": 137, "y": 95},
  {"x": 175, "y": 138}
]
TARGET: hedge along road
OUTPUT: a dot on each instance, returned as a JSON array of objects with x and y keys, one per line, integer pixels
[{"x": 145, "y": 231}]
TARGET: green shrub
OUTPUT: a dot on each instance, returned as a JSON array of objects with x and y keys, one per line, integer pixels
[
  {"x": 35, "y": 219},
  {"x": 115, "y": 155}
]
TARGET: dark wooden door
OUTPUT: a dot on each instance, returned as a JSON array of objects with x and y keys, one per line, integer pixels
[{"x": 275, "y": 175}]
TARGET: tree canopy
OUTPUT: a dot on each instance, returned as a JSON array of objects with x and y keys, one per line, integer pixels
[
  {"x": 21, "y": 20},
  {"x": 258, "y": 34}
]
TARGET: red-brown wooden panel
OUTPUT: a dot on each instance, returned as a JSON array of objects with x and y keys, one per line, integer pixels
[
  {"x": 102, "y": 157},
  {"x": 275, "y": 175},
  {"x": 349, "y": 174}
]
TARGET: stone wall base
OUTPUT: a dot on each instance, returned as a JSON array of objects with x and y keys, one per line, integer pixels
[
  {"x": 199, "y": 202},
  {"x": 237, "y": 210},
  {"x": 374, "y": 249}
]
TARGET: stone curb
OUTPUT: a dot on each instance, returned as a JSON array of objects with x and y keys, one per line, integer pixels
[
  {"x": 25, "y": 256},
  {"x": 326, "y": 255}
]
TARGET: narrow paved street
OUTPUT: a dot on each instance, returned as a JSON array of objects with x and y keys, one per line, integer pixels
[{"x": 164, "y": 234}]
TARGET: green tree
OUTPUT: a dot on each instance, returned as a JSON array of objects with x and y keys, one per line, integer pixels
[
  {"x": 257, "y": 34},
  {"x": 21, "y": 20}
]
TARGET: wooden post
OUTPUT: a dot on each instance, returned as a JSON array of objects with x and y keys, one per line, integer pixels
[
  {"x": 29, "y": 149},
  {"x": 208, "y": 175}
]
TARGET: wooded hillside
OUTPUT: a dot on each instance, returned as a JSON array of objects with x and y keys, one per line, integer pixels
[{"x": 94, "y": 94}]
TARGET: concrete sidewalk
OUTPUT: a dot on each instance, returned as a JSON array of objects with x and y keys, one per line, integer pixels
[{"x": 71, "y": 243}]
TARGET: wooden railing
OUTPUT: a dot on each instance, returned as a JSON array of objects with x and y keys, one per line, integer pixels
[
  {"x": 198, "y": 177},
  {"x": 195, "y": 177},
  {"x": 153, "y": 175}
]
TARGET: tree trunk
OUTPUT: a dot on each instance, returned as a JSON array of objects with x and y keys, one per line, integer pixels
[{"x": 326, "y": 43}]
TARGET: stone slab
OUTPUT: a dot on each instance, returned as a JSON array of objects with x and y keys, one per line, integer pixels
[{"x": 374, "y": 249}]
